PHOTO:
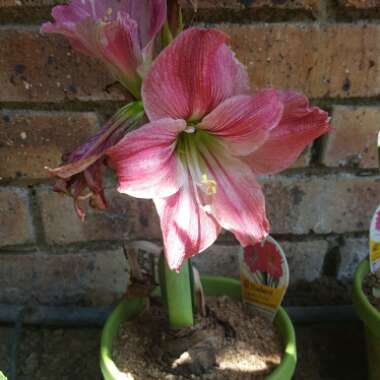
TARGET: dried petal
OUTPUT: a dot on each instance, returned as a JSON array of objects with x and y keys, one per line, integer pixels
[{"x": 80, "y": 175}]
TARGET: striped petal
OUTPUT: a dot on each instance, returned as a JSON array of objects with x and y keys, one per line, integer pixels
[
  {"x": 245, "y": 122},
  {"x": 192, "y": 76},
  {"x": 186, "y": 227},
  {"x": 145, "y": 160},
  {"x": 119, "y": 47},
  {"x": 237, "y": 202},
  {"x": 299, "y": 126},
  {"x": 150, "y": 16}
]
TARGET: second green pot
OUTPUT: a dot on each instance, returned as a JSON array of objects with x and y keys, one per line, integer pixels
[{"x": 371, "y": 319}]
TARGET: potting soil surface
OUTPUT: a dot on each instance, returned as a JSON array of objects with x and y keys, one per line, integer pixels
[{"x": 227, "y": 344}]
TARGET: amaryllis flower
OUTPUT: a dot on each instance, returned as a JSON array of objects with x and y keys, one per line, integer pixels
[
  {"x": 80, "y": 175},
  {"x": 206, "y": 138},
  {"x": 121, "y": 33}
]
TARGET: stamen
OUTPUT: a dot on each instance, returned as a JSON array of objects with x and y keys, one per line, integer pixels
[
  {"x": 109, "y": 12},
  {"x": 189, "y": 129},
  {"x": 209, "y": 183}
]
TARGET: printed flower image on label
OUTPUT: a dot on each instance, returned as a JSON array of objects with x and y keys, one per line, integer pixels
[
  {"x": 377, "y": 223},
  {"x": 264, "y": 276},
  {"x": 374, "y": 241}
]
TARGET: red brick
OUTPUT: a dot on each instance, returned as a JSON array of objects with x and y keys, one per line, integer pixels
[
  {"x": 93, "y": 278},
  {"x": 330, "y": 204},
  {"x": 352, "y": 252},
  {"x": 360, "y": 4},
  {"x": 33, "y": 140},
  {"x": 305, "y": 259},
  {"x": 15, "y": 218},
  {"x": 353, "y": 139},
  {"x": 36, "y": 68},
  {"x": 126, "y": 218},
  {"x": 186, "y": 4},
  {"x": 303, "y": 160},
  {"x": 237, "y": 5},
  {"x": 202, "y": 4},
  {"x": 320, "y": 61},
  {"x": 29, "y": 3},
  {"x": 219, "y": 260}
]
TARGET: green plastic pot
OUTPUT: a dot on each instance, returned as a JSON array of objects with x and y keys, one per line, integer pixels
[
  {"x": 371, "y": 319},
  {"x": 214, "y": 286}
]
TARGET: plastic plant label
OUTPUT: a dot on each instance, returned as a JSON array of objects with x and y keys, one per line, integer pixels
[
  {"x": 374, "y": 241},
  {"x": 264, "y": 277}
]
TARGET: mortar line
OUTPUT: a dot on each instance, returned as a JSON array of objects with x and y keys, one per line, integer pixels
[{"x": 101, "y": 245}]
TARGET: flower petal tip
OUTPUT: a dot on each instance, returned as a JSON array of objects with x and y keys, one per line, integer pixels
[{"x": 47, "y": 27}]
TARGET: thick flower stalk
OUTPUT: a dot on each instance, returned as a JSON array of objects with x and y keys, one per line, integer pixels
[
  {"x": 80, "y": 175},
  {"x": 206, "y": 141},
  {"x": 120, "y": 33}
]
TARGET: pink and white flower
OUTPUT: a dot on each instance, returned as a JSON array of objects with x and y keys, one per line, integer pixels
[
  {"x": 206, "y": 140},
  {"x": 120, "y": 33}
]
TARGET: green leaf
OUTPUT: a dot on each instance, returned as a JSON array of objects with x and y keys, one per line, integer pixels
[{"x": 2, "y": 376}]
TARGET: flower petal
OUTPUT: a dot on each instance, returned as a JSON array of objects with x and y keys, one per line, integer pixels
[
  {"x": 146, "y": 162},
  {"x": 68, "y": 17},
  {"x": 119, "y": 33},
  {"x": 299, "y": 126},
  {"x": 187, "y": 229},
  {"x": 119, "y": 48},
  {"x": 244, "y": 122},
  {"x": 66, "y": 21},
  {"x": 238, "y": 203},
  {"x": 192, "y": 76},
  {"x": 150, "y": 16}
]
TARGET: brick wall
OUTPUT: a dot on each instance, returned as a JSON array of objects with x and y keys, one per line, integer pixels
[{"x": 53, "y": 98}]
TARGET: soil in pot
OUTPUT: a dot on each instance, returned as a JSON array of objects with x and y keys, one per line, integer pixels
[
  {"x": 372, "y": 280},
  {"x": 227, "y": 344}
]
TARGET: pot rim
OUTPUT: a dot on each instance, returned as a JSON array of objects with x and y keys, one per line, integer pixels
[
  {"x": 367, "y": 313},
  {"x": 128, "y": 309}
]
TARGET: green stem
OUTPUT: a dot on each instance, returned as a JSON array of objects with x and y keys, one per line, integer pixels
[
  {"x": 133, "y": 86},
  {"x": 177, "y": 294},
  {"x": 174, "y": 18},
  {"x": 166, "y": 35}
]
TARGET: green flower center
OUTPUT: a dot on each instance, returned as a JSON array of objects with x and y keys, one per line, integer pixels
[{"x": 190, "y": 145}]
